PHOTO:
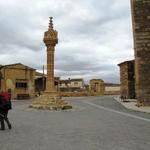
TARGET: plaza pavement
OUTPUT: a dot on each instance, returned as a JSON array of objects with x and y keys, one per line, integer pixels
[
  {"x": 94, "y": 123},
  {"x": 131, "y": 104}
]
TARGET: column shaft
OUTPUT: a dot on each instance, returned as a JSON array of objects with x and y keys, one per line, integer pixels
[{"x": 50, "y": 87}]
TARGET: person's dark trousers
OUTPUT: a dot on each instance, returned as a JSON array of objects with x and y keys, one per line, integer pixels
[
  {"x": 6, "y": 120},
  {"x": 2, "y": 123},
  {"x": 3, "y": 118},
  {"x": 8, "y": 123}
]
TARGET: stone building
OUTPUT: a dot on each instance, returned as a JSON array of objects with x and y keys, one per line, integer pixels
[
  {"x": 127, "y": 79},
  {"x": 18, "y": 79},
  {"x": 71, "y": 85},
  {"x": 97, "y": 86},
  {"x": 141, "y": 31},
  {"x": 64, "y": 85},
  {"x": 40, "y": 82}
]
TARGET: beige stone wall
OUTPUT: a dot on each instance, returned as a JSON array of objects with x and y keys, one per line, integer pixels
[
  {"x": 124, "y": 80},
  {"x": 18, "y": 73},
  {"x": 76, "y": 84},
  {"x": 113, "y": 89},
  {"x": 97, "y": 86},
  {"x": 127, "y": 79},
  {"x": 141, "y": 31},
  {"x": 75, "y": 94}
]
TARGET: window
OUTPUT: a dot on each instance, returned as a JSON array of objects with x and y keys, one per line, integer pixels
[
  {"x": 75, "y": 83},
  {"x": 21, "y": 85}
]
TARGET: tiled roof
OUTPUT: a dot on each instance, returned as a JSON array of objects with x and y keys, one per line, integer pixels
[{"x": 9, "y": 65}]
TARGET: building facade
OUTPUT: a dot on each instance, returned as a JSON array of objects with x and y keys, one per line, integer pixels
[
  {"x": 18, "y": 80},
  {"x": 127, "y": 79},
  {"x": 71, "y": 85},
  {"x": 40, "y": 82},
  {"x": 141, "y": 31},
  {"x": 97, "y": 87}
]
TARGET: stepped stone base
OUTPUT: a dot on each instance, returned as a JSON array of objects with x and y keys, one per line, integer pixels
[{"x": 50, "y": 102}]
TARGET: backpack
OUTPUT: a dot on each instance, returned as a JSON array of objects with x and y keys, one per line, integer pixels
[{"x": 5, "y": 104}]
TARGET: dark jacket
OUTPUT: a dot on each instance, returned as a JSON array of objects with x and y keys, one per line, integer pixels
[{"x": 5, "y": 104}]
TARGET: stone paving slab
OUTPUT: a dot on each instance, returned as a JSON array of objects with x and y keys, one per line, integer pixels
[{"x": 131, "y": 104}]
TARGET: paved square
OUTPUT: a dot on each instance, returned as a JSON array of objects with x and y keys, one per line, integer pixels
[{"x": 85, "y": 127}]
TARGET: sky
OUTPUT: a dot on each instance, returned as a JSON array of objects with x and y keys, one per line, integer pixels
[{"x": 94, "y": 36}]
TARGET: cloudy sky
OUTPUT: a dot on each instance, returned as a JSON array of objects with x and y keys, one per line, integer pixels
[{"x": 94, "y": 35}]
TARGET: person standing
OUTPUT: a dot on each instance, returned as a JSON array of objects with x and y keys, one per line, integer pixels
[{"x": 5, "y": 106}]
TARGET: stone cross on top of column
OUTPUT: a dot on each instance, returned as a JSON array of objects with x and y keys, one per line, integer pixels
[{"x": 50, "y": 22}]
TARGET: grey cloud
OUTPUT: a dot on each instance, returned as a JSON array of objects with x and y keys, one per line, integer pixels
[{"x": 93, "y": 35}]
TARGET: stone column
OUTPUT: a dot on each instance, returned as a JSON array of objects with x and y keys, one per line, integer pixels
[
  {"x": 141, "y": 32},
  {"x": 50, "y": 40},
  {"x": 50, "y": 87},
  {"x": 51, "y": 99}
]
